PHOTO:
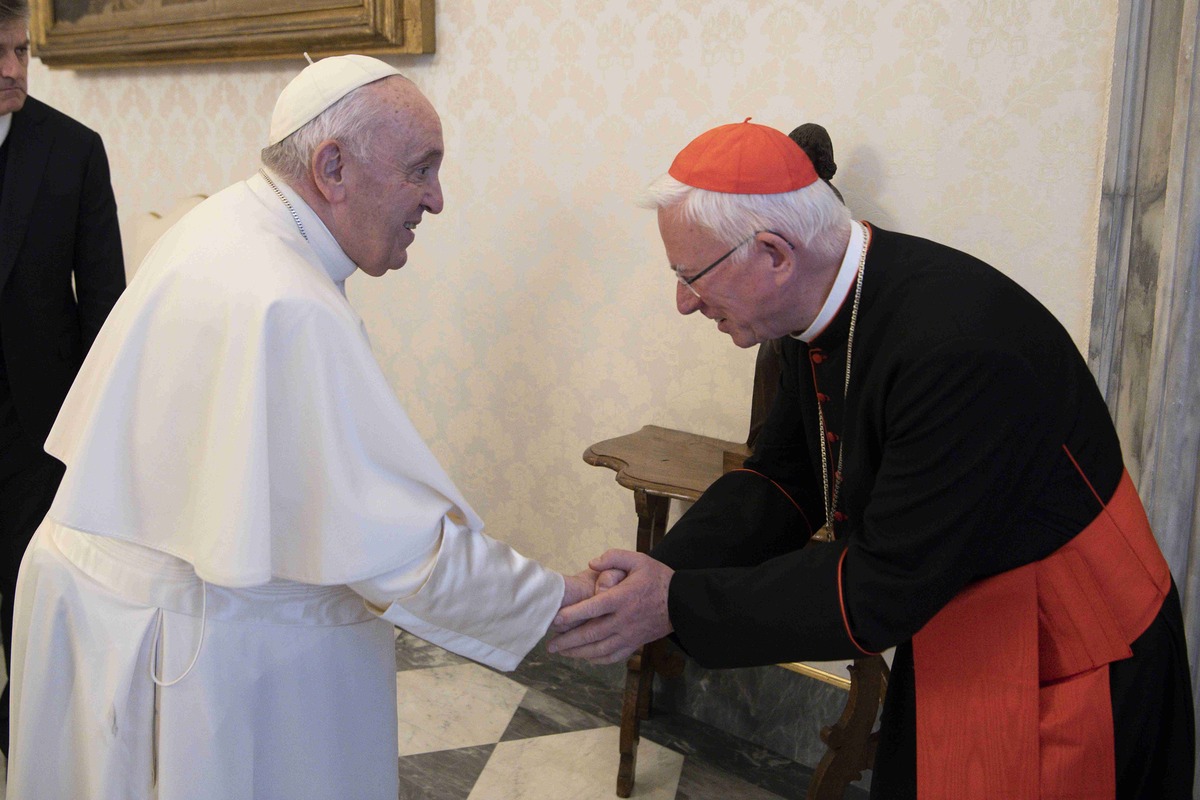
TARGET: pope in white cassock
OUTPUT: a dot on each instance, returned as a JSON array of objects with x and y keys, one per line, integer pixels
[{"x": 207, "y": 610}]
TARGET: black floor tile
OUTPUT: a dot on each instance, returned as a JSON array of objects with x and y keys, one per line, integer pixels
[
  {"x": 542, "y": 715},
  {"x": 444, "y": 775}
]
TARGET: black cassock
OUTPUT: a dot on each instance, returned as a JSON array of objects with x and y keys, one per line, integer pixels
[{"x": 967, "y": 403}]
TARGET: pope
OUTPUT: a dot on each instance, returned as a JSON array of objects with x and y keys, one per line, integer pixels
[{"x": 207, "y": 611}]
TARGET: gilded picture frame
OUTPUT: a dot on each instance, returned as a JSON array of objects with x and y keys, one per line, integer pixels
[{"x": 116, "y": 33}]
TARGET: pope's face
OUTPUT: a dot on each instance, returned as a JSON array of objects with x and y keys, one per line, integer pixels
[
  {"x": 14, "y": 65},
  {"x": 741, "y": 294},
  {"x": 396, "y": 183}
]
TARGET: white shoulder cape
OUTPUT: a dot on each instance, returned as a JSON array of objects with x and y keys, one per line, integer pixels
[{"x": 231, "y": 412}]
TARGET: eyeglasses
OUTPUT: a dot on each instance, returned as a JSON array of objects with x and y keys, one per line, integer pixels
[{"x": 686, "y": 281}]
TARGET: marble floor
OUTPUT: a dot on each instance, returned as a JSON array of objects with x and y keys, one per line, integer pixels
[{"x": 545, "y": 731}]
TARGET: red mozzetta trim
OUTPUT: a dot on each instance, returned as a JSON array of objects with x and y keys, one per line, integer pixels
[
  {"x": 783, "y": 492},
  {"x": 1012, "y": 675},
  {"x": 1079, "y": 469},
  {"x": 842, "y": 605}
]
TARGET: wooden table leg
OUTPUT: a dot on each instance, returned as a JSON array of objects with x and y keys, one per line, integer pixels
[
  {"x": 850, "y": 741},
  {"x": 639, "y": 677},
  {"x": 635, "y": 679},
  {"x": 652, "y": 518},
  {"x": 635, "y": 707}
]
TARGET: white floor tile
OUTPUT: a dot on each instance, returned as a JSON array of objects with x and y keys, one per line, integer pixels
[{"x": 444, "y": 708}]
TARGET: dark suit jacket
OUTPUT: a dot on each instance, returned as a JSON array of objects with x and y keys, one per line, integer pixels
[{"x": 58, "y": 223}]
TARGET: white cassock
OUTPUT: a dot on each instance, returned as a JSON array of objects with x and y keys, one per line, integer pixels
[{"x": 245, "y": 505}]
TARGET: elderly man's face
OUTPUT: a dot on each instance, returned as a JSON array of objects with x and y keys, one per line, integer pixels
[
  {"x": 397, "y": 182},
  {"x": 14, "y": 65},
  {"x": 742, "y": 295}
]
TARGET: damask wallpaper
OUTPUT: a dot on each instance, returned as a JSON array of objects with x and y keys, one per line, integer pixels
[{"x": 536, "y": 313}]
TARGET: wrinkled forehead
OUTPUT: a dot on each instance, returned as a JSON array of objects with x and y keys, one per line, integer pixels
[
  {"x": 406, "y": 117},
  {"x": 683, "y": 239}
]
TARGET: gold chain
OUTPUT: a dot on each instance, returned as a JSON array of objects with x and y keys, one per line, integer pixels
[{"x": 826, "y": 534}]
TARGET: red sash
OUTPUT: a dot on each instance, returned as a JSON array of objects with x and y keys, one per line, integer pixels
[{"x": 1012, "y": 675}]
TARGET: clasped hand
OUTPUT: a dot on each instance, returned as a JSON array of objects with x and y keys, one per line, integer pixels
[{"x": 625, "y": 608}]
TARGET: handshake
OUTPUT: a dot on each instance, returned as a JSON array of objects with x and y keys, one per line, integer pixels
[{"x": 612, "y": 608}]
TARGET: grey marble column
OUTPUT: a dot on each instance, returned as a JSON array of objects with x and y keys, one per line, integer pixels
[
  {"x": 1171, "y": 444},
  {"x": 1145, "y": 343}
]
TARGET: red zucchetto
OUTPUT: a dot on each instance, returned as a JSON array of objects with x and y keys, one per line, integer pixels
[{"x": 743, "y": 158}]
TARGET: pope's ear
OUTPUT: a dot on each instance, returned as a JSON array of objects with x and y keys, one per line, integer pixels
[{"x": 327, "y": 169}]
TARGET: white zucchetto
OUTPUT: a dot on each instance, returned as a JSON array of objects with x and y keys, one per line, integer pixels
[{"x": 319, "y": 86}]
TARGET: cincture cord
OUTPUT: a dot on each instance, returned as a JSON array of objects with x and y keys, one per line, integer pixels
[{"x": 199, "y": 645}]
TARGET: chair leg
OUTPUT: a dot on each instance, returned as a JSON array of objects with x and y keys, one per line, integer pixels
[
  {"x": 638, "y": 678},
  {"x": 850, "y": 741}
]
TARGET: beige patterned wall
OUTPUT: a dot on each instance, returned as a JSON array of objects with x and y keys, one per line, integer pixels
[{"x": 536, "y": 314}]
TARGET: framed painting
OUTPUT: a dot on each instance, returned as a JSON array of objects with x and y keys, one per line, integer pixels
[{"x": 114, "y": 33}]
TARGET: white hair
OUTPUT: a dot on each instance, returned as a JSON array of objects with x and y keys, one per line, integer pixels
[
  {"x": 349, "y": 121},
  {"x": 812, "y": 218}
]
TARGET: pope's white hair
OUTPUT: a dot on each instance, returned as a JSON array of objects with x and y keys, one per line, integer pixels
[
  {"x": 349, "y": 121},
  {"x": 812, "y": 218}
]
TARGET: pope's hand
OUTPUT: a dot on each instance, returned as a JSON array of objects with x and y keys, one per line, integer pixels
[
  {"x": 611, "y": 624},
  {"x": 587, "y": 583}
]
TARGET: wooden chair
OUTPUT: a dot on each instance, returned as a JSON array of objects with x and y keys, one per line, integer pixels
[{"x": 660, "y": 465}]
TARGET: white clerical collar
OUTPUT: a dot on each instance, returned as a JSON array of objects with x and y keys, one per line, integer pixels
[
  {"x": 841, "y": 285},
  {"x": 335, "y": 261},
  {"x": 5, "y": 125}
]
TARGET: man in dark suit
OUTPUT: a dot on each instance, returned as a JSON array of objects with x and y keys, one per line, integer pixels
[{"x": 61, "y": 271}]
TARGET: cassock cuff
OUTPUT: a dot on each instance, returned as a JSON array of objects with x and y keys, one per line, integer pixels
[{"x": 785, "y": 609}]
